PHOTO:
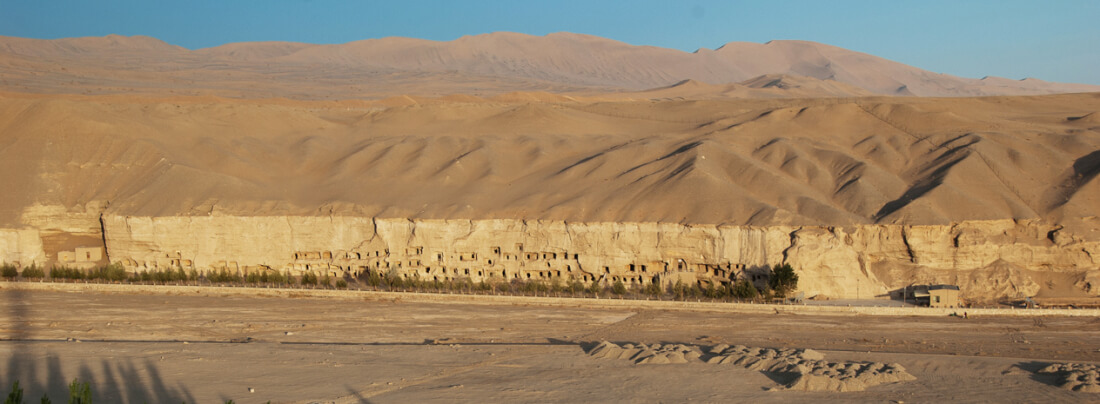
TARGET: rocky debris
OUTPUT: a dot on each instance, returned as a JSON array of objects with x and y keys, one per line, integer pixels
[
  {"x": 812, "y": 372},
  {"x": 1076, "y": 376},
  {"x": 656, "y": 353},
  {"x": 850, "y": 376}
]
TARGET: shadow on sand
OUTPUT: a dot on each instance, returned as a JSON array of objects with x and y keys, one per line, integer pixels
[{"x": 39, "y": 371}]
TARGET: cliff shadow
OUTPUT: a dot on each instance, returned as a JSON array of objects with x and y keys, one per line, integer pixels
[
  {"x": 1033, "y": 368},
  {"x": 903, "y": 296},
  {"x": 1083, "y": 171}
]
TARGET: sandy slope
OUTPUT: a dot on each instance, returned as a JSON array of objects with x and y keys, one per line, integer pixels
[
  {"x": 815, "y": 161},
  {"x": 486, "y": 64}
]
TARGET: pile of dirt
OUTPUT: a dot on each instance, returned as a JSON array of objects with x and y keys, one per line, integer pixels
[
  {"x": 656, "y": 353},
  {"x": 810, "y": 370},
  {"x": 1076, "y": 376}
]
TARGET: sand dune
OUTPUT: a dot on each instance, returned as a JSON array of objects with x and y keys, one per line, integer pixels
[
  {"x": 754, "y": 162},
  {"x": 482, "y": 65}
]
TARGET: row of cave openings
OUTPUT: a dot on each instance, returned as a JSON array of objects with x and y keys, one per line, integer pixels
[{"x": 439, "y": 257}]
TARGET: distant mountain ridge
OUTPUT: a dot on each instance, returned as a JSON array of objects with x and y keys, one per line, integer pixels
[{"x": 497, "y": 62}]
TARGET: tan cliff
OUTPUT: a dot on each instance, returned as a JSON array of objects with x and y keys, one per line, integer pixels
[{"x": 988, "y": 259}]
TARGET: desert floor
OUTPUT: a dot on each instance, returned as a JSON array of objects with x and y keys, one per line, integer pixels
[{"x": 165, "y": 347}]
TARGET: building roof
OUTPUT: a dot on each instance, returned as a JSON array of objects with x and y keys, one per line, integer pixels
[{"x": 938, "y": 287}]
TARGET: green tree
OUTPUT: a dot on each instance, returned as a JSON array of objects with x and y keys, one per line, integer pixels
[
  {"x": 783, "y": 280},
  {"x": 80, "y": 393},
  {"x": 677, "y": 290},
  {"x": 16, "y": 394},
  {"x": 595, "y": 287},
  {"x": 374, "y": 278},
  {"x": 308, "y": 278},
  {"x": 653, "y": 289},
  {"x": 618, "y": 288},
  {"x": 575, "y": 286},
  {"x": 9, "y": 271},
  {"x": 710, "y": 292},
  {"x": 743, "y": 289},
  {"x": 33, "y": 272}
]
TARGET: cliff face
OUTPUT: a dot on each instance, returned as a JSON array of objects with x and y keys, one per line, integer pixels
[{"x": 988, "y": 259}]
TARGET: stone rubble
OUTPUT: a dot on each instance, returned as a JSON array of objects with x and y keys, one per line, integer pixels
[
  {"x": 812, "y": 372},
  {"x": 1076, "y": 376}
]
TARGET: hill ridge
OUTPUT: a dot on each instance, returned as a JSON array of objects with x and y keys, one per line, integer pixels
[{"x": 484, "y": 64}]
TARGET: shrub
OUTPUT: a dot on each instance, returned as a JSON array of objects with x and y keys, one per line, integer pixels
[
  {"x": 326, "y": 281},
  {"x": 783, "y": 280},
  {"x": 33, "y": 272},
  {"x": 308, "y": 278},
  {"x": 341, "y": 284},
  {"x": 9, "y": 271}
]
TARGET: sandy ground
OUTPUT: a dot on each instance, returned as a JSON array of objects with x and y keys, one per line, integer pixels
[{"x": 207, "y": 348}]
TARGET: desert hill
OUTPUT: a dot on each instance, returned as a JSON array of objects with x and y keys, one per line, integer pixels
[
  {"x": 836, "y": 161},
  {"x": 486, "y": 64},
  {"x": 766, "y": 86}
]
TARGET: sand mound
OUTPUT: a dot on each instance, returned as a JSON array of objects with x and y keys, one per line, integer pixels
[
  {"x": 1080, "y": 377},
  {"x": 810, "y": 370}
]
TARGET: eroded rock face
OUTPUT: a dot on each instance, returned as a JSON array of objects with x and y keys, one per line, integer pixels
[
  {"x": 812, "y": 372},
  {"x": 987, "y": 259}
]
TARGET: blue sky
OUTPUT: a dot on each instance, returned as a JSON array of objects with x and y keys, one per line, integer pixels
[{"x": 1057, "y": 40}]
